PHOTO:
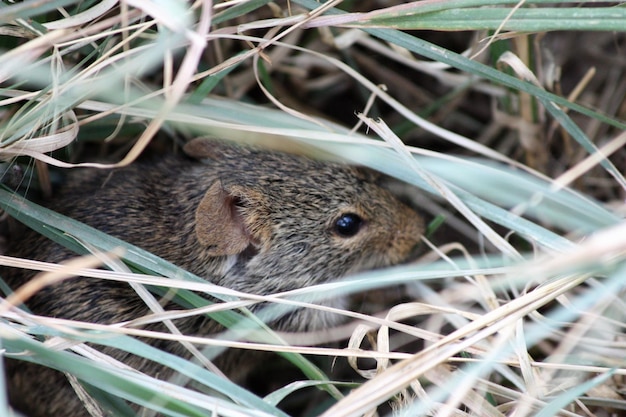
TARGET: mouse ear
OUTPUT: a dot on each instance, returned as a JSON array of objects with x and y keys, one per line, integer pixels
[
  {"x": 203, "y": 148},
  {"x": 221, "y": 221}
]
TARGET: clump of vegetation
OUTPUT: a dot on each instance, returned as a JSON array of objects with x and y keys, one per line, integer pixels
[{"x": 506, "y": 120}]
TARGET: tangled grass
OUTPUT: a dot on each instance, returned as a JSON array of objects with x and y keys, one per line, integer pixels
[{"x": 505, "y": 121}]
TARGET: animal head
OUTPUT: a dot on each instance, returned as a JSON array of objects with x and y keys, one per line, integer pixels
[{"x": 291, "y": 222}]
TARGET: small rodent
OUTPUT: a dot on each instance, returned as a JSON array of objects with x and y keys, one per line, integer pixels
[{"x": 245, "y": 218}]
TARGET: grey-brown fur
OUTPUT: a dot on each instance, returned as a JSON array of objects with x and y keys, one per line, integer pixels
[{"x": 247, "y": 219}]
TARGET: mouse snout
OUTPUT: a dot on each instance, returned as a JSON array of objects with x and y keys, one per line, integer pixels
[{"x": 406, "y": 240}]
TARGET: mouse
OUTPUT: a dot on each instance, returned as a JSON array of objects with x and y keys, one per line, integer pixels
[{"x": 239, "y": 216}]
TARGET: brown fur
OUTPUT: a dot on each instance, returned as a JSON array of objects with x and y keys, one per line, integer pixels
[{"x": 244, "y": 218}]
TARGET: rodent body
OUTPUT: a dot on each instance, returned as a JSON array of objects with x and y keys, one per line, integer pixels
[{"x": 244, "y": 218}]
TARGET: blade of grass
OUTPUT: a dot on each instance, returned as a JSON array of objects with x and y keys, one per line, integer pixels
[
  {"x": 542, "y": 19},
  {"x": 185, "y": 367},
  {"x": 133, "y": 386},
  {"x": 238, "y": 10},
  {"x": 29, "y": 9}
]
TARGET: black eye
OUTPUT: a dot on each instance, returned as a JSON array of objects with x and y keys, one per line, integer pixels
[{"x": 348, "y": 225}]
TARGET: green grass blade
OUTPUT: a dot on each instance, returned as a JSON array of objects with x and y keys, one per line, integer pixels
[
  {"x": 524, "y": 19},
  {"x": 135, "y": 387},
  {"x": 29, "y": 9}
]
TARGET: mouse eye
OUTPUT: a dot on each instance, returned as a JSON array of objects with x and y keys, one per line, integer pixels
[{"x": 348, "y": 225}]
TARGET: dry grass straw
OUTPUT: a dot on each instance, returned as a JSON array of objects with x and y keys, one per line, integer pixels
[{"x": 493, "y": 326}]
